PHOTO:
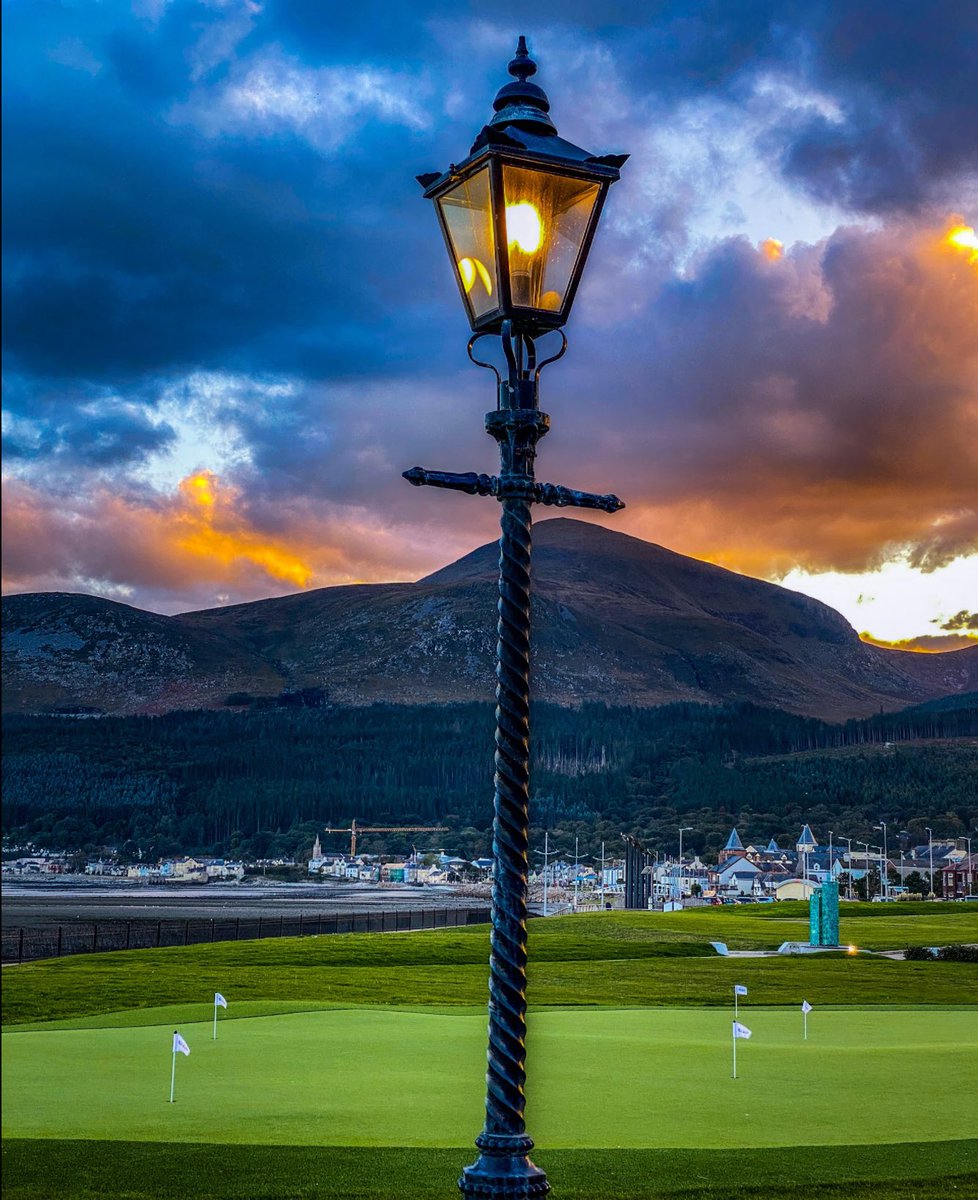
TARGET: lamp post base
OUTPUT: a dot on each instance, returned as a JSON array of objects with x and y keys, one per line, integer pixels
[{"x": 503, "y": 1170}]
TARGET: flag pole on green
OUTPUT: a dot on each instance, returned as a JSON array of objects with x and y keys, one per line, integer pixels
[
  {"x": 219, "y": 1002},
  {"x": 806, "y": 1008},
  {"x": 179, "y": 1047},
  {"x": 739, "y": 1031},
  {"x": 739, "y": 990}
]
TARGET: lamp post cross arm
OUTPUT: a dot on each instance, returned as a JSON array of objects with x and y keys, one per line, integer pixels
[{"x": 514, "y": 487}]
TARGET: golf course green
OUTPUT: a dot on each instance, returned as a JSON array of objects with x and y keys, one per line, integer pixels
[
  {"x": 353, "y": 1065},
  {"x": 602, "y": 1078}
]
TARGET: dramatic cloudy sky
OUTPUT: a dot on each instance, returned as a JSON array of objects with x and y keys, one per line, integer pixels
[{"x": 230, "y": 321}]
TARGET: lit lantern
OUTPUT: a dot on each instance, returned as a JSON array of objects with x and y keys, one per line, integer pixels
[{"x": 519, "y": 213}]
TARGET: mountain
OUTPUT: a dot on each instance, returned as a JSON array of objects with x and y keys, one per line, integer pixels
[{"x": 616, "y": 620}]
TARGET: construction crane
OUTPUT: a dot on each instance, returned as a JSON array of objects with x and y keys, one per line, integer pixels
[{"x": 354, "y": 830}]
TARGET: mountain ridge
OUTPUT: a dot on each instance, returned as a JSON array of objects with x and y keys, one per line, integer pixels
[{"x": 616, "y": 620}]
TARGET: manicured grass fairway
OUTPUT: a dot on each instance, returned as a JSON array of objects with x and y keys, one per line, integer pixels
[{"x": 637, "y": 1078}]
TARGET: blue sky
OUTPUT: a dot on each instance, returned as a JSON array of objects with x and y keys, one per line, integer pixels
[{"x": 230, "y": 322}]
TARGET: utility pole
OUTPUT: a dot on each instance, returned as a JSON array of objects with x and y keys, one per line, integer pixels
[
  {"x": 577, "y": 872},
  {"x": 602, "y": 876}
]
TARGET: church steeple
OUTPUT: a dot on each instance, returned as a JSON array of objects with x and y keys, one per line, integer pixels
[
  {"x": 806, "y": 841},
  {"x": 733, "y": 848}
]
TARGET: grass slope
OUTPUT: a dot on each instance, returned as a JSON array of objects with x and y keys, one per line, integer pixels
[{"x": 632, "y": 958}]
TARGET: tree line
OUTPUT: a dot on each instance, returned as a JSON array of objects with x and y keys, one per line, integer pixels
[{"x": 263, "y": 781}]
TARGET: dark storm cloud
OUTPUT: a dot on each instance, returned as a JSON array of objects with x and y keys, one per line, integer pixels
[
  {"x": 100, "y": 435},
  {"x": 136, "y": 240},
  {"x": 146, "y": 233},
  {"x": 960, "y": 621},
  {"x": 815, "y": 410},
  {"x": 902, "y": 77}
]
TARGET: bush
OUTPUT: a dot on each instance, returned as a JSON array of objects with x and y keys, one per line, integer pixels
[
  {"x": 918, "y": 954},
  {"x": 968, "y": 954}
]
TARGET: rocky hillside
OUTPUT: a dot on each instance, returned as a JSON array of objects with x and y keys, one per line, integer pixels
[{"x": 616, "y": 620}]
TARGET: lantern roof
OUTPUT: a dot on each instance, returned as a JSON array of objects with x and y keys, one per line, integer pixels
[{"x": 521, "y": 125}]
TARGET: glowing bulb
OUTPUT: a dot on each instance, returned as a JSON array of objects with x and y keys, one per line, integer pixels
[
  {"x": 524, "y": 227},
  {"x": 470, "y": 269},
  {"x": 963, "y": 236},
  {"x": 852, "y": 949}
]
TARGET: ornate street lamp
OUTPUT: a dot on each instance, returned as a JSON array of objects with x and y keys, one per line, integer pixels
[{"x": 518, "y": 215}]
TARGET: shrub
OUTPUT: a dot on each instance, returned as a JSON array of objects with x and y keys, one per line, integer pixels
[
  {"x": 918, "y": 954},
  {"x": 968, "y": 954}
]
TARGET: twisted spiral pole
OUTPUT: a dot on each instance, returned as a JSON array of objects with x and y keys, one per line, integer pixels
[
  {"x": 507, "y": 983},
  {"x": 504, "y": 1168}
]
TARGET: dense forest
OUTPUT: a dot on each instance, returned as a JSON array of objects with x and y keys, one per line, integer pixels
[{"x": 262, "y": 782}]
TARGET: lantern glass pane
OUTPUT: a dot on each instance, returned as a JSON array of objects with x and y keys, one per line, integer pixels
[
  {"x": 467, "y": 213},
  {"x": 547, "y": 219}
]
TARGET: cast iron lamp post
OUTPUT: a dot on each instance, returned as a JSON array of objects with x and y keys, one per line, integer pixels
[{"x": 518, "y": 215}]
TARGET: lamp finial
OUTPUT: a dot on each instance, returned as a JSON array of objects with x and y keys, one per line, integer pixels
[
  {"x": 522, "y": 66},
  {"x": 523, "y": 104}
]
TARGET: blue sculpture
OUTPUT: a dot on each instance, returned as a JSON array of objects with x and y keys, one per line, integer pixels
[{"x": 823, "y": 915}]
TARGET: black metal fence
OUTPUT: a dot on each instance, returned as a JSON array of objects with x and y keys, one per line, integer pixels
[{"x": 27, "y": 943}]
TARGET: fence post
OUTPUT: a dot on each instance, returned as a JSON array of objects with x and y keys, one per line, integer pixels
[
  {"x": 319, "y": 923},
  {"x": 128, "y": 934},
  {"x": 300, "y": 924},
  {"x": 59, "y": 941},
  {"x": 259, "y": 925},
  {"x": 159, "y": 934},
  {"x": 20, "y": 945},
  {"x": 186, "y": 933},
  {"x": 237, "y": 928},
  {"x": 212, "y": 930},
  {"x": 94, "y": 936}
]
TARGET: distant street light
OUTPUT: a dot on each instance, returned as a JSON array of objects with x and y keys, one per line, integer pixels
[
  {"x": 546, "y": 856},
  {"x": 930, "y": 855},
  {"x": 518, "y": 214},
  {"x": 682, "y": 829},
  {"x": 883, "y": 872},
  {"x": 865, "y": 846},
  {"x": 848, "y": 842}
]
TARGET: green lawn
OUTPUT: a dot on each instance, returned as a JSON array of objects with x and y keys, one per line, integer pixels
[
  {"x": 156, "y": 1171},
  {"x": 637, "y": 1078},
  {"x": 359, "y": 1072}
]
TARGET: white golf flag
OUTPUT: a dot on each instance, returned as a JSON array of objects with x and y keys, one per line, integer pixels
[
  {"x": 806, "y": 1007},
  {"x": 740, "y": 989},
  {"x": 740, "y": 1031},
  {"x": 219, "y": 1000},
  {"x": 179, "y": 1044}
]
